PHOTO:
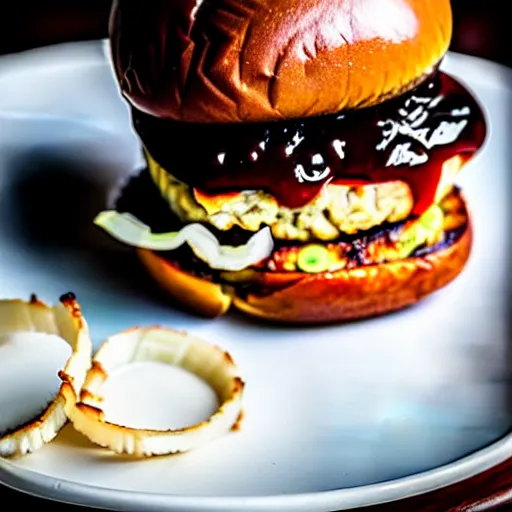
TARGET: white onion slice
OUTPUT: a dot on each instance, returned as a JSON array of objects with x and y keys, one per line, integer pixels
[
  {"x": 128, "y": 229},
  {"x": 66, "y": 321},
  {"x": 157, "y": 344}
]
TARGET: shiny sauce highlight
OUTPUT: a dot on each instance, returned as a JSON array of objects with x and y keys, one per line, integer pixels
[{"x": 405, "y": 139}]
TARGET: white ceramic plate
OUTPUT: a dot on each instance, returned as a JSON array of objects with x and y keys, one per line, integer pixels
[{"x": 336, "y": 417}]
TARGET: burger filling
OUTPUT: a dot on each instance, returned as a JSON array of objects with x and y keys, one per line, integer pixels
[
  {"x": 338, "y": 209},
  {"x": 440, "y": 226},
  {"x": 335, "y": 192}
]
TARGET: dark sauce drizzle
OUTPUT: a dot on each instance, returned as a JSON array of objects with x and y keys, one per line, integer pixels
[{"x": 405, "y": 139}]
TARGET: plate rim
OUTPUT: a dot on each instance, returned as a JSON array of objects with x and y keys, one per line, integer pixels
[
  {"x": 94, "y": 53},
  {"x": 45, "y": 486}
]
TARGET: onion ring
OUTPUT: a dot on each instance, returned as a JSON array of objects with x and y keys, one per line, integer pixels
[
  {"x": 66, "y": 321},
  {"x": 156, "y": 344},
  {"x": 128, "y": 229}
]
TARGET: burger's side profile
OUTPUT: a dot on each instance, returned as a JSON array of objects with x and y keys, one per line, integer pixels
[{"x": 301, "y": 156}]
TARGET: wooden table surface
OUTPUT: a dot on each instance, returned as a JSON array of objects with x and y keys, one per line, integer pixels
[{"x": 480, "y": 28}]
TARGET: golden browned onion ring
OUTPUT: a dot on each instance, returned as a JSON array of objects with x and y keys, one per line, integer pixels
[
  {"x": 66, "y": 321},
  {"x": 156, "y": 344}
]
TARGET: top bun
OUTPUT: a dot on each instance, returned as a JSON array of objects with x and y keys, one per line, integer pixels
[{"x": 261, "y": 60}]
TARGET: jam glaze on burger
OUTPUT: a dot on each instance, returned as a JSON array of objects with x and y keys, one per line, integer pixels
[{"x": 327, "y": 122}]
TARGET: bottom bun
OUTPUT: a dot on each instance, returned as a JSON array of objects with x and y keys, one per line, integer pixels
[
  {"x": 197, "y": 295},
  {"x": 363, "y": 292},
  {"x": 321, "y": 298}
]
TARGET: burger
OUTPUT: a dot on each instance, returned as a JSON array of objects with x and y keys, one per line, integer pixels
[{"x": 302, "y": 156}]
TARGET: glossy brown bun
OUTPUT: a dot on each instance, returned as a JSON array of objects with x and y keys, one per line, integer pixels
[
  {"x": 321, "y": 298},
  {"x": 259, "y": 60},
  {"x": 204, "y": 298},
  {"x": 361, "y": 293}
]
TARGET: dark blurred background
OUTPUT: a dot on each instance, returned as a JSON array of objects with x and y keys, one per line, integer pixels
[{"x": 480, "y": 27}]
